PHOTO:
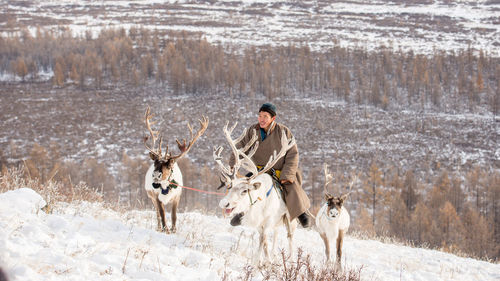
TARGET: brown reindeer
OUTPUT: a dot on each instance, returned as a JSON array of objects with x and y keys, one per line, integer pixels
[{"x": 164, "y": 177}]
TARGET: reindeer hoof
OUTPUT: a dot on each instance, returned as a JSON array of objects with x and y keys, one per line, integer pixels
[
  {"x": 165, "y": 229},
  {"x": 173, "y": 230},
  {"x": 338, "y": 267}
]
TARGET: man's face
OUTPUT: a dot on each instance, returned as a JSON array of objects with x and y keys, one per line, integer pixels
[{"x": 265, "y": 119}]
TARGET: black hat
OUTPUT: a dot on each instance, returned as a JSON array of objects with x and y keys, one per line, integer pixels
[{"x": 268, "y": 107}]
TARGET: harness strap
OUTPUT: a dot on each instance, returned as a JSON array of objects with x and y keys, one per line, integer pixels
[
  {"x": 173, "y": 184},
  {"x": 269, "y": 191},
  {"x": 251, "y": 201},
  {"x": 258, "y": 198},
  {"x": 198, "y": 190},
  {"x": 276, "y": 174}
]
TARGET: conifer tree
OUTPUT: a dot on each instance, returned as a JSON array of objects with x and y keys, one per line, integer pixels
[
  {"x": 477, "y": 236},
  {"x": 364, "y": 221},
  {"x": 58, "y": 78},
  {"x": 20, "y": 68},
  {"x": 373, "y": 192},
  {"x": 421, "y": 221},
  {"x": 450, "y": 225}
]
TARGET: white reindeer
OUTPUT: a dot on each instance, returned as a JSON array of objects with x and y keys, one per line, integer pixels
[
  {"x": 254, "y": 199},
  {"x": 332, "y": 220},
  {"x": 164, "y": 177}
]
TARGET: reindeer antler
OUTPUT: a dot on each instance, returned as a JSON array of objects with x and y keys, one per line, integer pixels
[
  {"x": 349, "y": 190},
  {"x": 244, "y": 159},
  {"x": 154, "y": 134},
  {"x": 185, "y": 148},
  {"x": 286, "y": 144},
  {"x": 328, "y": 179},
  {"x": 227, "y": 173}
]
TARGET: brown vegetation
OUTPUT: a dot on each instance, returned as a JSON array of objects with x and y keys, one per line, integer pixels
[
  {"x": 302, "y": 269},
  {"x": 429, "y": 202},
  {"x": 385, "y": 78}
]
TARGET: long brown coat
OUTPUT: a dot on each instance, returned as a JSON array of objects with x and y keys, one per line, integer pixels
[{"x": 296, "y": 199}]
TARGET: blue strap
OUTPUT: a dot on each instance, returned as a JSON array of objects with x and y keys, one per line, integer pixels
[{"x": 269, "y": 191}]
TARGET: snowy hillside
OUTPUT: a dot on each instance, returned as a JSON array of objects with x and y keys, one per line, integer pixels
[
  {"x": 419, "y": 25},
  {"x": 85, "y": 241}
]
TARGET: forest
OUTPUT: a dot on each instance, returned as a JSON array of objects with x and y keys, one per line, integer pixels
[{"x": 429, "y": 202}]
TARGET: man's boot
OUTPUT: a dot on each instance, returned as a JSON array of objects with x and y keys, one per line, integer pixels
[{"x": 305, "y": 219}]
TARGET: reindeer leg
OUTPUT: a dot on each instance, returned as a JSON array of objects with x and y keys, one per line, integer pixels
[
  {"x": 157, "y": 211},
  {"x": 289, "y": 230},
  {"x": 327, "y": 246},
  {"x": 154, "y": 199},
  {"x": 273, "y": 247},
  {"x": 174, "y": 215},
  {"x": 258, "y": 255},
  {"x": 340, "y": 240},
  {"x": 161, "y": 210},
  {"x": 265, "y": 245}
]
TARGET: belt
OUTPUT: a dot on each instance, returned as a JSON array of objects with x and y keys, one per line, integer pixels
[{"x": 274, "y": 173}]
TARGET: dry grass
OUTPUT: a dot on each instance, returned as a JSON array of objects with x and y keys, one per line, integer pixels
[
  {"x": 303, "y": 269},
  {"x": 51, "y": 191},
  {"x": 387, "y": 239}
]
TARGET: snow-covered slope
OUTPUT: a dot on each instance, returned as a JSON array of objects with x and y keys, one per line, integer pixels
[
  {"x": 421, "y": 26},
  {"x": 85, "y": 241}
]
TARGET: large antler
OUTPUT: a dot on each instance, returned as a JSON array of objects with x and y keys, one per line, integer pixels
[
  {"x": 286, "y": 144},
  {"x": 328, "y": 179},
  {"x": 185, "y": 148},
  {"x": 349, "y": 188},
  {"x": 154, "y": 134},
  {"x": 228, "y": 173}
]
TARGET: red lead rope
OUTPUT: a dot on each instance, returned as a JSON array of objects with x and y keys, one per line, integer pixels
[{"x": 199, "y": 190}]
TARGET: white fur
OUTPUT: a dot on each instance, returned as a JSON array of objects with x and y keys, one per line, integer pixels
[
  {"x": 172, "y": 197},
  {"x": 329, "y": 224},
  {"x": 165, "y": 199},
  {"x": 267, "y": 212}
]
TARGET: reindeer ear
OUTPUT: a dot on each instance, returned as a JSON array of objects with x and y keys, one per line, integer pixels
[
  {"x": 152, "y": 156},
  {"x": 256, "y": 185},
  {"x": 343, "y": 197},
  {"x": 327, "y": 196}
]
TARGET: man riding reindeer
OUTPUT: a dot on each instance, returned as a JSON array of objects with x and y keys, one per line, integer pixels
[{"x": 286, "y": 170}]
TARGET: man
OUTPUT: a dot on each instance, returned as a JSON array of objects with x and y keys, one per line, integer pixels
[{"x": 287, "y": 168}]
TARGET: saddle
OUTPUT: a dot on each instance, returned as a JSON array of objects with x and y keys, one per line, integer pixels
[{"x": 275, "y": 174}]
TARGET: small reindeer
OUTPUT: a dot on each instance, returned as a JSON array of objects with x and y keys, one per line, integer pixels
[
  {"x": 164, "y": 177},
  {"x": 332, "y": 220},
  {"x": 252, "y": 198}
]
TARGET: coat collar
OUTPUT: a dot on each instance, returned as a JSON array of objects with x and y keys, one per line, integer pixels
[{"x": 271, "y": 128}]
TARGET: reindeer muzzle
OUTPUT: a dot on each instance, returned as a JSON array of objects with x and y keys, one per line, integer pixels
[
  {"x": 333, "y": 213},
  {"x": 156, "y": 185}
]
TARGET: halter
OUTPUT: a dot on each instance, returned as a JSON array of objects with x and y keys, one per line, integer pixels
[
  {"x": 172, "y": 184},
  {"x": 258, "y": 198}
]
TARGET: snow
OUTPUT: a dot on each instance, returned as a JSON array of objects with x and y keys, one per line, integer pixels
[
  {"x": 421, "y": 28},
  {"x": 86, "y": 241}
]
